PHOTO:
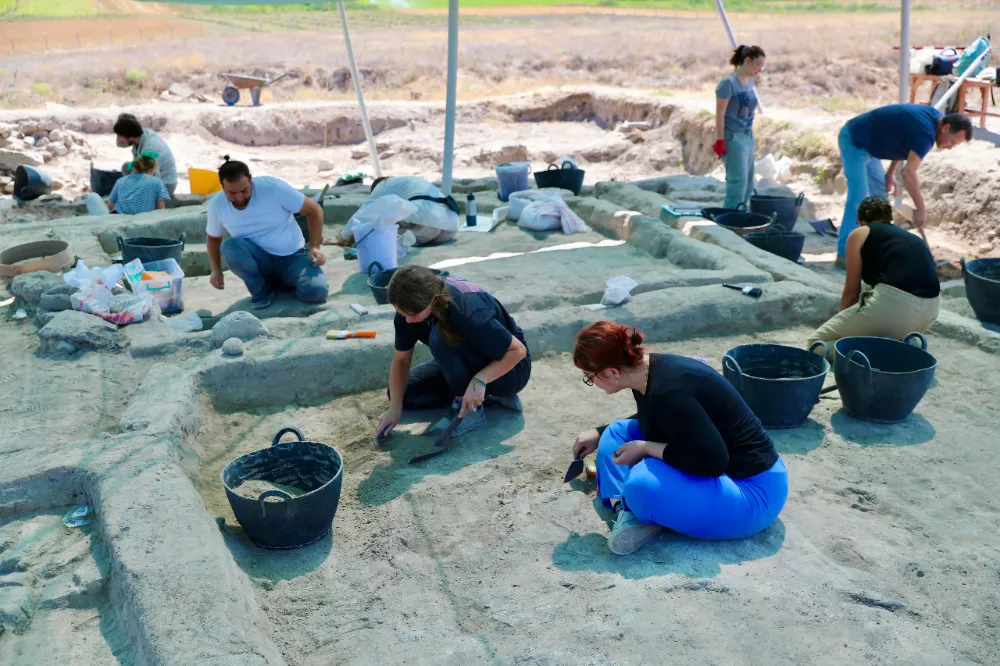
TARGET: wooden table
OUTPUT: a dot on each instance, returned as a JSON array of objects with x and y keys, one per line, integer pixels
[{"x": 916, "y": 80}]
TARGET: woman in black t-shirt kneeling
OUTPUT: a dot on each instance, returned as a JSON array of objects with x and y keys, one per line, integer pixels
[
  {"x": 693, "y": 458},
  {"x": 479, "y": 351},
  {"x": 898, "y": 267}
]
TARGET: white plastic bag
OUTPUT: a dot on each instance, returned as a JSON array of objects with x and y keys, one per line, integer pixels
[
  {"x": 618, "y": 291},
  {"x": 551, "y": 214},
  {"x": 186, "y": 322},
  {"x": 388, "y": 209},
  {"x": 94, "y": 295},
  {"x": 519, "y": 200},
  {"x": 426, "y": 213}
]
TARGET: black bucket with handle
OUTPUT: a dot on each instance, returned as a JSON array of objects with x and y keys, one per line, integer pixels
[
  {"x": 785, "y": 209},
  {"x": 313, "y": 468},
  {"x": 378, "y": 280},
  {"x": 151, "y": 249},
  {"x": 566, "y": 177},
  {"x": 31, "y": 183},
  {"x": 102, "y": 182}
]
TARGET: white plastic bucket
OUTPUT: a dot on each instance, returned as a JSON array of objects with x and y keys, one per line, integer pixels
[
  {"x": 512, "y": 178},
  {"x": 377, "y": 243}
]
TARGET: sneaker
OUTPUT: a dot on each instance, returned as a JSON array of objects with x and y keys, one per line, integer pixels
[
  {"x": 471, "y": 421},
  {"x": 511, "y": 402},
  {"x": 260, "y": 301},
  {"x": 629, "y": 533}
]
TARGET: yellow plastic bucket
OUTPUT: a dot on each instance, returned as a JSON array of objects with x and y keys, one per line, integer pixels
[{"x": 204, "y": 181}]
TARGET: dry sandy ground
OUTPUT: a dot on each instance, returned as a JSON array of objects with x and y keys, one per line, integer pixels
[{"x": 884, "y": 553}]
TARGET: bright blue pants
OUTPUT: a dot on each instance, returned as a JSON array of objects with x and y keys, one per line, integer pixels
[
  {"x": 856, "y": 163},
  {"x": 697, "y": 506}
]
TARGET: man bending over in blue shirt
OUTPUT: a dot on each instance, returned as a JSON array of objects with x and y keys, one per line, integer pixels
[{"x": 902, "y": 133}]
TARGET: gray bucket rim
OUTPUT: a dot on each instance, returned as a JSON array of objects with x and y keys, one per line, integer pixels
[
  {"x": 778, "y": 379},
  {"x": 985, "y": 260},
  {"x": 338, "y": 475},
  {"x": 839, "y": 354}
]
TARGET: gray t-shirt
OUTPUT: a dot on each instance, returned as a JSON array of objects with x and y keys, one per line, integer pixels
[
  {"x": 166, "y": 168},
  {"x": 742, "y": 103}
]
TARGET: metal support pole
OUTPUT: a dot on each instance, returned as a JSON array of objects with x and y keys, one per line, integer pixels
[
  {"x": 357, "y": 89},
  {"x": 904, "y": 52},
  {"x": 449, "y": 107},
  {"x": 725, "y": 22},
  {"x": 732, "y": 39},
  {"x": 941, "y": 103}
]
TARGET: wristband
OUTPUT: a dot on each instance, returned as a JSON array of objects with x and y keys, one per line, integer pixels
[{"x": 479, "y": 381}]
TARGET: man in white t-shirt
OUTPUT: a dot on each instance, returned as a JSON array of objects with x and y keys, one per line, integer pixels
[{"x": 266, "y": 248}]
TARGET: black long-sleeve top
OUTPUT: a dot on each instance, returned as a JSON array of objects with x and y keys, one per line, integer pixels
[{"x": 707, "y": 427}]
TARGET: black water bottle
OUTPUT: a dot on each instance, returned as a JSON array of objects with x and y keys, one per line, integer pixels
[{"x": 470, "y": 210}]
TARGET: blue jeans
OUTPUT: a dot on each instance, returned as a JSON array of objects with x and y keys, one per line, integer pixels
[
  {"x": 739, "y": 168},
  {"x": 437, "y": 383},
  {"x": 864, "y": 174},
  {"x": 696, "y": 506},
  {"x": 263, "y": 272}
]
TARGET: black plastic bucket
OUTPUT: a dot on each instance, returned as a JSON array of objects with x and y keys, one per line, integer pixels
[
  {"x": 785, "y": 209},
  {"x": 31, "y": 183},
  {"x": 776, "y": 240},
  {"x": 102, "y": 182},
  {"x": 780, "y": 384},
  {"x": 713, "y": 212},
  {"x": 882, "y": 380},
  {"x": 982, "y": 288},
  {"x": 151, "y": 249},
  {"x": 566, "y": 178},
  {"x": 378, "y": 282},
  {"x": 316, "y": 469},
  {"x": 744, "y": 223}
]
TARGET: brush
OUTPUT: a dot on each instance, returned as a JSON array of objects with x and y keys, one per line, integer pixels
[{"x": 344, "y": 335}]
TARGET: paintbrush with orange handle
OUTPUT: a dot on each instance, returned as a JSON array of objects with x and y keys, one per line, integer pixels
[{"x": 344, "y": 335}]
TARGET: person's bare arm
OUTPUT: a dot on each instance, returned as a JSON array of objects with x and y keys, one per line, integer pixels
[
  {"x": 314, "y": 216},
  {"x": 912, "y": 186},
  {"x": 720, "y": 118},
  {"x": 891, "y": 187},
  {"x": 111, "y": 206},
  {"x": 161, "y": 205},
  {"x": 852, "y": 285},
  {"x": 497, "y": 369},
  {"x": 214, "y": 246},
  {"x": 399, "y": 373}
]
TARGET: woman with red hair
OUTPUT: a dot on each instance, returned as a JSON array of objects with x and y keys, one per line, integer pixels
[{"x": 694, "y": 458}]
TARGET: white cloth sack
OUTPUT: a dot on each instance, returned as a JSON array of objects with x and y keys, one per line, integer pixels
[
  {"x": 549, "y": 214},
  {"x": 618, "y": 291},
  {"x": 518, "y": 200},
  {"x": 426, "y": 213}
]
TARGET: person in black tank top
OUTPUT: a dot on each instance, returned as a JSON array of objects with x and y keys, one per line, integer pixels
[
  {"x": 903, "y": 292},
  {"x": 693, "y": 458}
]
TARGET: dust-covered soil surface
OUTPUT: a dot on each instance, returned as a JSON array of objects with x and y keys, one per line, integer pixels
[{"x": 885, "y": 553}]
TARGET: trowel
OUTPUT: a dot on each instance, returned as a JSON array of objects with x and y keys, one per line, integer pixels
[
  {"x": 575, "y": 470},
  {"x": 440, "y": 443}
]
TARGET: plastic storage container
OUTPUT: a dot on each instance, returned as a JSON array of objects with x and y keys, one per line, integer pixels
[
  {"x": 512, "y": 178},
  {"x": 169, "y": 294}
]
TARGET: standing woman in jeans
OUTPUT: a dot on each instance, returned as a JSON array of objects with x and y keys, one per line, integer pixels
[{"x": 735, "y": 104}]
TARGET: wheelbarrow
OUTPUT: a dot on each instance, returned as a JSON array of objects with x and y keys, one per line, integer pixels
[{"x": 231, "y": 93}]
